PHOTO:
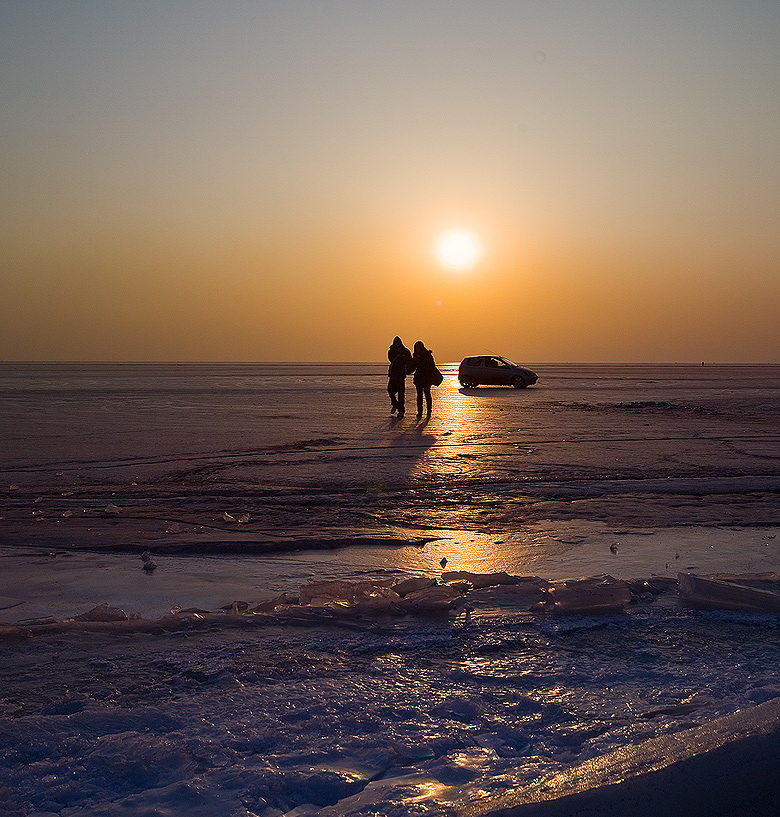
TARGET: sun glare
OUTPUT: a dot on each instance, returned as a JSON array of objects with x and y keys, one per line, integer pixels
[{"x": 458, "y": 249}]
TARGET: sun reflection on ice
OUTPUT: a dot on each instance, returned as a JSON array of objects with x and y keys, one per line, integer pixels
[
  {"x": 450, "y": 500},
  {"x": 427, "y": 790}
]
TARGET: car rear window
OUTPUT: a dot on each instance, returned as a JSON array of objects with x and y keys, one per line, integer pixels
[{"x": 473, "y": 361}]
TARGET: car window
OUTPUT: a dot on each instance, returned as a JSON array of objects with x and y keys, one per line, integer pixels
[
  {"x": 508, "y": 362},
  {"x": 496, "y": 362},
  {"x": 473, "y": 361}
]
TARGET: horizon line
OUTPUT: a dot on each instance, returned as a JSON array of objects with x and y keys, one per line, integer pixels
[{"x": 95, "y": 362}]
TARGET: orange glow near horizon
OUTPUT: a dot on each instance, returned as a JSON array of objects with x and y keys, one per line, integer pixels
[{"x": 267, "y": 185}]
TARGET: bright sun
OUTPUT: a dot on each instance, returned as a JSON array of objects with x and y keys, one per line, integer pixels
[{"x": 458, "y": 249}]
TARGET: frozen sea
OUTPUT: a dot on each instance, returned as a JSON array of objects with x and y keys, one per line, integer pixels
[{"x": 246, "y": 480}]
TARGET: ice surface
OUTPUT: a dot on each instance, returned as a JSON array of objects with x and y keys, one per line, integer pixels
[
  {"x": 622, "y": 470},
  {"x": 272, "y": 720},
  {"x": 311, "y": 458}
]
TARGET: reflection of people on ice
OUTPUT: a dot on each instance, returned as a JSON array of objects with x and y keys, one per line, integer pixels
[
  {"x": 425, "y": 375},
  {"x": 400, "y": 364}
]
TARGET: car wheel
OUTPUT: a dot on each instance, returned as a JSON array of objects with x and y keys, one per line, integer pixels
[{"x": 519, "y": 383}]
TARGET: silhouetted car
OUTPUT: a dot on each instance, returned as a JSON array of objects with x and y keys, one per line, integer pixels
[{"x": 491, "y": 370}]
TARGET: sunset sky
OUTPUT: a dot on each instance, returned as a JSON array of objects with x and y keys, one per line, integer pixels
[{"x": 266, "y": 180}]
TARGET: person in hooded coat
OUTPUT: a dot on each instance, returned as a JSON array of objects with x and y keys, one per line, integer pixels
[
  {"x": 425, "y": 375},
  {"x": 400, "y": 364}
]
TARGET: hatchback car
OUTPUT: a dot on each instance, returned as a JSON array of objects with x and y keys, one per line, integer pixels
[{"x": 491, "y": 370}]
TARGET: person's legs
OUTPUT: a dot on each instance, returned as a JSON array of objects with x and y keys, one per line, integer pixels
[
  {"x": 392, "y": 387},
  {"x": 419, "y": 398},
  {"x": 428, "y": 399},
  {"x": 401, "y": 396}
]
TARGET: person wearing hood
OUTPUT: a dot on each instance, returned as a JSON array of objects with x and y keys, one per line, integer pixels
[
  {"x": 425, "y": 375},
  {"x": 400, "y": 364}
]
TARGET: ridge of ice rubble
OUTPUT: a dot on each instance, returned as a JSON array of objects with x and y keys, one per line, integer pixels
[{"x": 457, "y": 592}]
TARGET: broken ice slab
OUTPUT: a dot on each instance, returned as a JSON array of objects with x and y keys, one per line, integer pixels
[
  {"x": 595, "y": 594},
  {"x": 403, "y": 588},
  {"x": 419, "y": 595},
  {"x": 336, "y": 589},
  {"x": 103, "y": 612},
  {"x": 235, "y": 607},
  {"x": 437, "y": 599},
  {"x": 479, "y": 579},
  {"x": 274, "y": 604},
  {"x": 737, "y": 592},
  {"x": 509, "y": 596},
  {"x": 769, "y": 580}
]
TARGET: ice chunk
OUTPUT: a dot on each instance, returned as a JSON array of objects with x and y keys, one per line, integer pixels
[
  {"x": 735, "y": 593},
  {"x": 479, "y": 579},
  {"x": 274, "y": 604},
  {"x": 235, "y": 607},
  {"x": 517, "y": 596},
  {"x": 103, "y": 612},
  {"x": 438, "y": 599},
  {"x": 326, "y": 589},
  {"x": 375, "y": 600},
  {"x": 595, "y": 594},
  {"x": 411, "y": 585}
]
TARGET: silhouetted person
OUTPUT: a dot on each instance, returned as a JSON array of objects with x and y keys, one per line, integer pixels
[
  {"x": 425, "y": 375},
  {"x": 400, "y": 364}
]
